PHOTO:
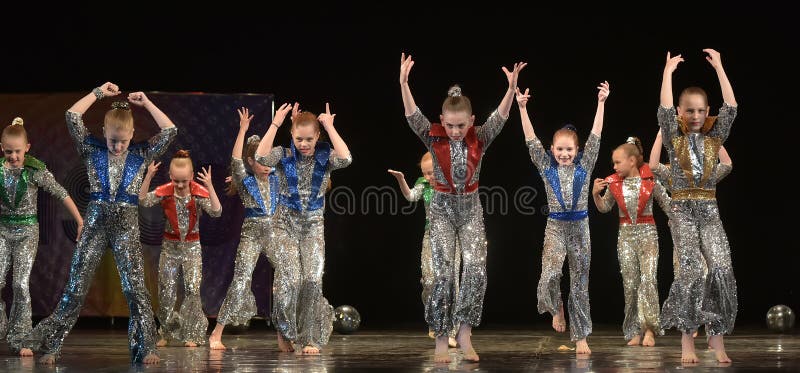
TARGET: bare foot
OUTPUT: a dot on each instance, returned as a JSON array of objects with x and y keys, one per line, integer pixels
[
  {"x": 47, "y": 359},
  {"x": 189, "y": 344},
  {"x": 310, "y": 350},
  {"x": 582, "y": 347},
  {"x": 284, "y": 345},
  {"x": 716, "y": 342},
  {"x": 634, "y": 341},
  {"x": 649, "y": 339},
  {"x": 151, "y": 358},
  {"x": 215, "y": 339},
  {"x": 687, "y": 349},
  {"x": 25, "y": 352},
  {"x": 559, "y": 323},
  {"x": 161, "y": 342},
  {"x": 464, "y": 339},
  {"x": 440, "y": 354}
]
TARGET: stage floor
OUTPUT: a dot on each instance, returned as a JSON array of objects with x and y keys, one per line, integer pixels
[{"x": 105, "y": 350}]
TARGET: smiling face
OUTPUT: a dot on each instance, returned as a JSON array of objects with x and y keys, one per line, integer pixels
[
  {"x": 564, "y": 149},
  {"x": 14, "y": 149},
  {"x": 456, "y": 124}
]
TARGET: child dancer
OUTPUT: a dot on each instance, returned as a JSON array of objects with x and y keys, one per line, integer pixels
[
  {"x": 566, "y": 175},
  {"x": 257, "y": 187},
  {"x": 457, "y": 148},
  {"x": 300, "y": 313},
  {"x": 692, "y": 139},
  {"x": 21, "y": 176},
  {"x": 115, "y": 173},
  {"x": 633, "y": 188},
  {"x": 183, "y": 201},
  {"x": 423, "y": 189}
]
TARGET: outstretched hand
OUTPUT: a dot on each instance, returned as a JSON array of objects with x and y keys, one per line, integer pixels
[
  {"x": 604, "y": 91},
  {"x": 713, "y": 58},
  {"x": 397, "y": 174},
  {"x": 280, "y": 114},
  {"x": 109, "y": 89},
  {"x": 153, "y": 167},
  {"x": 406, "y": 63},
  {"x": 138, "y": 98},
  {"x": 326, "y": 118},
  {"x": 205, "y": 177},
  {"x": 672, "y": 63},
  {"x": 523, "y": 98},
  {"x": 513, "y": 75},
  {"x": 244, "y": 118},
  {"x": 295, "y": 111}
]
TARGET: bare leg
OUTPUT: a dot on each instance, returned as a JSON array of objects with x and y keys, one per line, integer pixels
[
  {"x": 582, "y": 347},
  {"x": 649, "y": 339},
  {"x": 464, "y": 339},
  {"x": 215, "y": 339},
  {"x": 559, "y": 322},
  {"x": 284, "y": 345},
  {"x": 716, "y": 342},
  {"x": 440, "y": 354},
  {"x": 687, "y": 349}
]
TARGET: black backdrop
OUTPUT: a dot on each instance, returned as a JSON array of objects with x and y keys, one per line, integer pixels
[{"x": 349, "y": 55}]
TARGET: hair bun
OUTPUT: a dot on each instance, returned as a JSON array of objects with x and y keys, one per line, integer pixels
[
  {"x": 454, "y": 91},
  {"x": 253, "y": 139},
  {"x": 570, "y": 127},
  {"x": 183, "y": 153},
  {"x": 17, "y": 121},
  {"x": 121, "y": 105}
]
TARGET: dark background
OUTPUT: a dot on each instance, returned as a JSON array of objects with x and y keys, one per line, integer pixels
[{"x": 349, "y": 55}]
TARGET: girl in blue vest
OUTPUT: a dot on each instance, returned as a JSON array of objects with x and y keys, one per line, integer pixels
[
  {"x": 457, "y": 148},
  {"x": 301, "y": 315},
  {"x": 21, "y": 176},
  {"x": 182, "y": 200},
  {"x": 257, "y": 187},
  {"x": 115, "y": 169},
  {"x": 633, "y": 187},
  {"x": 566, "y": 174},
  {"x": 423, "y": 189}
]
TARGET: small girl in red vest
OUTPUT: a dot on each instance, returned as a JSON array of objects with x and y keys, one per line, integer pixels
[
  {"x": 456, "y": 212},
  {"x": 633, "y": 187},
  {"x": 182, "y": 200}
]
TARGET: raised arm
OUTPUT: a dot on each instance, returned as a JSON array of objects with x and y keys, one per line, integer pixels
[
  {"x": 401, "y": 181},
  {"x": 666, "y": 80},
  {"x": 716, "y": 62},
  {"x": 655, "y": 152},
  {"x": 508, "y": 99},
  {"x": 108, "y": 89},
  {"x": 602, "y": 95},
  {"x": 406, "y": 63},
  {"x": 724, "y": 157},
  {"x": 522, "y": 102},
  {"x": 205, "y": 177},
  {"x": 141, "y": 100},
  {"x": 152, "y": 168},
  {"x": 265, "y": 146},
  {"x": 339, "y": 147},
  {"x": 244, "y": 123}
]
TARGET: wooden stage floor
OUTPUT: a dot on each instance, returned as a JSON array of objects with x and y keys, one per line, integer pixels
[{"x": 254, "y": 350}]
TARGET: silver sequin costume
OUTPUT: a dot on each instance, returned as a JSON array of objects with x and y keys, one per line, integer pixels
[
  {"x": 189, "y": 323},
  {"x": 456, "y": 219},
  {"x": 297, "y": 252},
  {"x": 19, "y": 240},
  {"x": 697, "y": 229},
  {"x": 566, "y": 233},
  {"x": 112, "y": 220},
  {"x": 239, "y": 305},
  {"x": 426, "y": 262},
  {"x": 637, "y": 251}
]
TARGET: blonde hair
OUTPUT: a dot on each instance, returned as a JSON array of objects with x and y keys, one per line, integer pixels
[
  {"x": 693, "y": 91},
  {"x": 633, "y": 148},
  {"x": 456, "y": 102},
  {"x": 181, "y": 159},
  {"x": 15, "y": 129},
  {"x": 119, "y": 117}
]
